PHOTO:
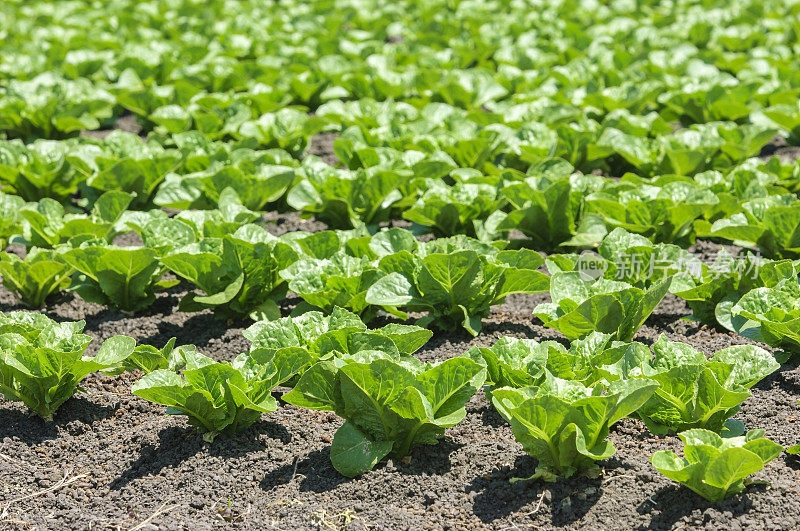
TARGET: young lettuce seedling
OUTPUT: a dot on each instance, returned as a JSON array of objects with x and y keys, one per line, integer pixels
[
  {"x": 564, "y": 424},
  {"x": 239, "y": 273},
  {"x": 124, "y": 277},
  {"x": 699, "y": 393},
  {"x": 580, "y": 305},
  {"x": 455, "y": 280},
  {"x": 390, "y": 404},
  {"x": 42, "y": 362},
  {"x": 715, "y": 467},
  {"x": 769, "y": 314},
  {"x": 219, "y": 397},
  {"x": 37, "y": 276}
]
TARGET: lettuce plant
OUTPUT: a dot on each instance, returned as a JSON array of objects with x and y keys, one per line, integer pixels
[
  {"x": 688, "y": 151},
  {"x": 564, "y": 424},
  {"x": 580, "y": 305},
  {"x": 628, "y": 257},
  {"x": 52, "y": 106},
  {"x": 742, "y": 183},
  {"x": 91, "y": 156},
  {"x": 123, "y": 277},
  {"x": 257, "y": 178},
  {"x": 339, "y": 334},
  {"x": 341, "y": 331},
  {"x": 696, "y": 392},
  {"x": 46, "y": 223},
  {"x": 742, "y": 141},
  {"x": 341, "y": 280},
  {"x": 122, "y": 354},
  {"x": 238, "y": 273},
  {"x": 768, "y": 223},
  {"x": 42, "y": 362},
  {"x": 40, "y": 274},
  {"x": 345, "y": 199},
  {"x": 548, "y": 209},
  {"x": 163, "y": 233},
  {"x": 389, "y": 404},
  {"x": 320, "y": 337},
  {"x": 770, "y": 314},
  {"x": 662, "y": 210},
  {"x": 38, "y": 170},
  {"x": 220, "y": 115},
  {"x": 518, "y": 363},
  {"x": 713, "y": 292},
  {"x": 229, "y": 215},
  {"x": 715, "y": 467},
  {"x": 326, "y": 244},
  {"x": 787, "y": 116},
  {"x": 138, "y": 176},
  {"x": 288, "y": 129},
  {"x": 512, "y": 362},
  {"x": 455, "y": 281},
  {"x": 450, "y": 210},
  {"x": 257, "y": 184},
  {"x": 10, "y": 206},
  {"x": 172, "y": 118},
  {"x": 219, "y": 397},
  {"x": 124, "y": 162},
  {"x": 367, "y": 112}
]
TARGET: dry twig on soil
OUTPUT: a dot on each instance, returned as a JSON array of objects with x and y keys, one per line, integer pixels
[
  {"x": 161, "y": 510},
  {"x": 66, "y": 480}
]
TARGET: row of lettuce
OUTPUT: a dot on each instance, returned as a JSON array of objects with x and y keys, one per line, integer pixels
[
  {"x": 561, "y": 402},
  {"x": 440, "y": 189},
  {"x": 227, "y": 69},
  {"x": 235, "y": 267}
]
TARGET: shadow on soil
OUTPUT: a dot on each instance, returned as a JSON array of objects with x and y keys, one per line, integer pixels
[
  {"x": 678, "y": 502},
  {"x": 498, "y": 498},
  {"x": 315, "y": 470},
  {"x": 73, "y": 416},
  {"x": 198, "y": 329},
  {"x": 429, "y": 459},
  {"x": 177, "y": 444},
  {"x": 793, "y": 461},
  {"x": 318, "y": 474},
  {"x": 491, "y": 417}
]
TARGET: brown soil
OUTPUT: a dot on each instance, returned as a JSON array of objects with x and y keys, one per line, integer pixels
[
  {"x": 127, "y": 123},
  {"x": 132, "y": 461},
  {"x": 777, "y": 147},
  {"x": 278, "y": 223},
  {"x": 321, "y": 145}
]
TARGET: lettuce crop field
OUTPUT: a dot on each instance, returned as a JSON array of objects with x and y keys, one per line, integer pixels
[{"x": 440, "y": 264}]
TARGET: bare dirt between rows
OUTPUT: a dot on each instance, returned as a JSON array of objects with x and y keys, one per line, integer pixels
[
  {"x": 778, "y": 147},
  {"x": 133, "y": 464}
]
